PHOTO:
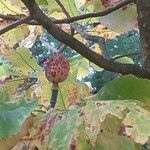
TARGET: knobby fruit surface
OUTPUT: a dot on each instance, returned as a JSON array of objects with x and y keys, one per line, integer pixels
[{"x": 56, "y": 68}]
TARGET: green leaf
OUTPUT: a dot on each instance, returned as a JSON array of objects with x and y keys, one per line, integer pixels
[
  {"x": 121, "y": 20},
  {"x": 7, "y": 8},
  {"x": 96, "y": 112},
  {"x": 125, "y": 60},
  {"x": 63, "y": 131},
  {"x": 22, "y": 60},
  {"x": 69, "y": 5},
  {"x": 80, "y": 64},
  {"x": 133, "y": 122},
  {"x": 4, "y": 96},
  {"x": 12, "y": 37},
  {"x": 12, "y": 116},
  {"x": 125, "y": 87},
  {"x": 109, "y": 139},
  {"x": 137, "y": 125},
  {"x": 4, "y": 67},
  {"x": 42, "y": 2}
]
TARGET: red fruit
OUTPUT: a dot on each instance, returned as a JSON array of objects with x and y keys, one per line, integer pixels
[{"x": 56, "y": 68}]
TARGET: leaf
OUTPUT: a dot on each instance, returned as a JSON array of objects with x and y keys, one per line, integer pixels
[
  {"x": 12, "y": 37},
  {"x": 93, "y": 5},
  {"x": 7, "y": 8},
  {"x": 12, "y": 116},
  {"x": 71, "y": 91},
  {"x": 102, "y": 31},
  {"x": 4, "y": 95},
  {"x": 42, "y": 127},
  {"x": 108, "y": 138},
  {"x": 95, "y": 67},
  {"x": 9, "y": 142},
  {"x": 22, "y": 60},
  {"x": 69, "y": 5},
  {"x": 42, "y": 2},
  {"x": 125, "y": 60},
  {"x": 94, "y": 113},
  {"x": 63, "y": 131},
  {"x": 4, "y": 70},
  {"x": 121, "y": 20},
  {"x": 133, "y": 121},
  {"x": 125, "y": 87},
  {"x": 43, "y": 92},
  {"x": 80, "y": 64},
  {"x": 4, "y": 67},
  {"x": 136, "y": 125},
  {"x": 16, "y": 3},
  {"x": 76, "y": 93},
  {"x": 4, "y": 79}
]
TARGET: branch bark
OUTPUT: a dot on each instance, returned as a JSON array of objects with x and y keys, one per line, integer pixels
[
  {"x": 143, "y": 9},
  {"x": 79, "y": 47}
]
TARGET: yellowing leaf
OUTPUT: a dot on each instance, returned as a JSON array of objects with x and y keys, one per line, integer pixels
[
  {"x": 22, "y": 60},
  {"x": 8, "y": 8},
  {"x": 16, "y": 35}
]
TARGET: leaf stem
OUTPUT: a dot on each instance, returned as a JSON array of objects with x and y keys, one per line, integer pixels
[{"x": 62, "y": 99}]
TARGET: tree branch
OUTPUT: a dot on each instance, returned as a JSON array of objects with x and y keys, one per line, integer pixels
[
  {"x": 17, "y": 18},
  {"x": 143, "y": 9},
  {"x": 15, "y": 24},
  {"x": 79, "y": 47},
  {"x": 75, "y": 18},
  {"x": 10, "y": 17},
  {"x": 97, "y": 14}
]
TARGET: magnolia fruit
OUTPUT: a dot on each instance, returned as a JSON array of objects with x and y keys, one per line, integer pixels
[{"x": 56, "y": 68}]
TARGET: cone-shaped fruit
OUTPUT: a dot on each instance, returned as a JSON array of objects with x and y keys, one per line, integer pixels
[{"x": 56, "y": 68}]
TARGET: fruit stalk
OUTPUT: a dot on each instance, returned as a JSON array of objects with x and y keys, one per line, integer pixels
[{"x": 54, "y": 91}]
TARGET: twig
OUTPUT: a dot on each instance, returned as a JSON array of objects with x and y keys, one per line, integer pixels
[
  {"x": 98, "y": 14},
  {"x": 15, "y": 24},
  {"x": 10, "y": 17},
  {"x": 18, "y": 79},
  {"x": 17, "y": 18},
  {"x": 76, "y": 18},
  {"x": 129, "y": 54},
  {"x": 61, "y": 47},
  {"x": 25, "y": 86}
]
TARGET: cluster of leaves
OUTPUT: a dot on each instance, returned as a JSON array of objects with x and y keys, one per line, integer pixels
[{"x": 116, "y": 117}]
